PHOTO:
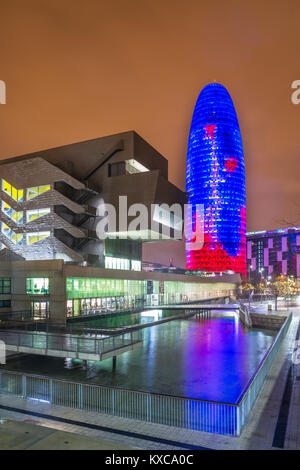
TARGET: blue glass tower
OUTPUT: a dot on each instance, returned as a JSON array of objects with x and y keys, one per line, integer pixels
[{"x": 215, "y": 179}]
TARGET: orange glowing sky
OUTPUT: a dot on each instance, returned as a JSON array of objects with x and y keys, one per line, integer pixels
[{"x": 76, "y": 70}]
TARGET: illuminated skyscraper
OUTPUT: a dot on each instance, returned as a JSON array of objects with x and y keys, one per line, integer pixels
[{"x": 215, "y": 178}]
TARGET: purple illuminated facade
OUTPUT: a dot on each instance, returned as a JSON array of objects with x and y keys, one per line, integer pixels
[{"x": 274, "y": 252}]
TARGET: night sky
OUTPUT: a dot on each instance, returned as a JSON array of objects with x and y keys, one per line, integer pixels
[{"x": 77, "y": 70}]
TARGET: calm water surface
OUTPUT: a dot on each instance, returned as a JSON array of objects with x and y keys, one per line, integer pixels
[
  {"x": 211, "y": 359},
  {"x": 126, "y": 319}
]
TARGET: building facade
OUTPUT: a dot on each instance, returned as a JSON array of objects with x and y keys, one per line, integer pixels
[
  {"x": 54, "y": 266},
  {"x": 49, "y": 200},
  {"x": 55, "y": 290},
  {"x": 215, "y": 180},
  {"x": 274, "y": 252}
]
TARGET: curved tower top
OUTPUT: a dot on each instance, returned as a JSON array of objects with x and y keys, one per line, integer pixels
[{"x": 215, "y": 180}]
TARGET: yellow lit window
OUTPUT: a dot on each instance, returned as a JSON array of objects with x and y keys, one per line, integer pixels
[
  {"x": 36, "y": 237},
  {"x": 32, "y": 192},
  {"x": 43, "y": 189},
  {"x": 16, "y": 194},
  {"x": 17, "y": 217},
  {"x": 5, "y": 229},
  {"x": 6, "y": 187},
  {"x": 16, "y": 238},
  {"x": 37, "y": 213},
  {"x": 37, "y": 190}
]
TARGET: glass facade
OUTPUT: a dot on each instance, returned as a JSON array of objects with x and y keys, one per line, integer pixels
[
  {"x": 81, "y": 287},
  {"x": 97, "y": 305},
  {"x": 122, "y": 263},
  {"x": 37, "y": 285},
  {"x": 88, "y": 296},
  {"x": 124, "y": 249},
  {"x": 215, "y": 180},
  {"x": 116, "y": 263}
]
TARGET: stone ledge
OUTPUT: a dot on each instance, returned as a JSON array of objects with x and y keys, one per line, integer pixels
[{"x": 260, "y": 320}]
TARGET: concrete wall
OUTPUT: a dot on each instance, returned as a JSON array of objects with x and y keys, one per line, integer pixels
[
  {"x": 271, "y": 322},
  {"x": 18, "y": 271}
]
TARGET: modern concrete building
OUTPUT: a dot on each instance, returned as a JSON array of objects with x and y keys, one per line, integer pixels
[
  {"x": 273, "y": 252},
  {"x": 53, "y": 265},
  {"x": 49, "y": 199}
]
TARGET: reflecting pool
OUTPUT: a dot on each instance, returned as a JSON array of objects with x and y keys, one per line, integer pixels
[{"x": 210, "y": 359}]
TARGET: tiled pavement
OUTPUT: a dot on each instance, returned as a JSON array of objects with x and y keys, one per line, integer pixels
[
  {"x": 27, "y": 435},
  {"x": 257, "y": 434}
]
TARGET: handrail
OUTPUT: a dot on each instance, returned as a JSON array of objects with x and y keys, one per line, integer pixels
[
  {"x": 99, "y": 345},
  {"x": 193, "y": 413},
  {"x": 155, "y": 393},
  {"x": 275, "y": 339},
  {"x": 16, "y": 314},
  {"x": 107, "y": 387}
]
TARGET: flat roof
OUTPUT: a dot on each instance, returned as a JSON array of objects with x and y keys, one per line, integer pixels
[{"x": 279, "y": 231}]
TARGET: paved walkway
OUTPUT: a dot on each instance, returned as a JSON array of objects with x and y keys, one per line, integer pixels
[
  {"x": 27, "y": 435},
  {"x": 274, "y": 421}
]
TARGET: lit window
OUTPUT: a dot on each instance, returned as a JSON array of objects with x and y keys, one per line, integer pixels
[
  {"x": 16, "y": 194},
  {"x": 36, "y": 191},
  {"x": 117, "y": 263},
  {"x": 36, "y": 213},
  {"x": 36, "y": 237},
  {"x": 16, "y": 238},
  {"x": 136, "y": 265},
  {"x": 37, "y": 285},
  {"x": 11, "y": 213},
  {"x": 133, "y": 166}
]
